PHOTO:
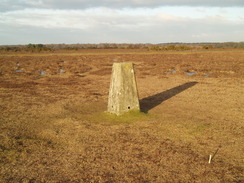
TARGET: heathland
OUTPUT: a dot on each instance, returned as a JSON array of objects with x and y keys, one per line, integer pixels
[{"x": 54, "y": 128}]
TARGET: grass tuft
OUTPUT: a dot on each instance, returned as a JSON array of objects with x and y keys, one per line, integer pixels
[{"x": 113, "y": 119}]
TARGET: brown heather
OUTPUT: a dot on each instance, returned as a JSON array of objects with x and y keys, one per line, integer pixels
[{"x": 53, "y": 127}]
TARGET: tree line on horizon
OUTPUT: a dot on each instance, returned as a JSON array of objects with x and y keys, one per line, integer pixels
[{"x": 147, "y": 46}]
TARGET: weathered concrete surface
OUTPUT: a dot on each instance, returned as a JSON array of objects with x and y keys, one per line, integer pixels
[{"x": 123, "y": 94}]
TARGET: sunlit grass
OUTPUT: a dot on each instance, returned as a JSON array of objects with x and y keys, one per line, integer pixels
[{"x": 127, "y": 118}]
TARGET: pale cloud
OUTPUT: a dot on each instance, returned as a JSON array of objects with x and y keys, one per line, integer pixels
[
  {"x": 90, "y": 18},
  {"x": 6, "y": 5},
  {"x": 168, "y": 17},
  {"x": 83, "y": 21},
  {"x": 71, "y": 19},
  {"x": 199, "y": 36}
]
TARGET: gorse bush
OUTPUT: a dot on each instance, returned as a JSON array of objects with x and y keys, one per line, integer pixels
[
  {"x": 171, "y": 48},
  {"x": 37, "y": 47}
]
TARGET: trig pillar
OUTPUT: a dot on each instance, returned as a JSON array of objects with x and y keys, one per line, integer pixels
[{"x": 123, "y": 94}]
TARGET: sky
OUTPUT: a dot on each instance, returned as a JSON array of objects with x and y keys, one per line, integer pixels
[{"x": 120, "y": 21}]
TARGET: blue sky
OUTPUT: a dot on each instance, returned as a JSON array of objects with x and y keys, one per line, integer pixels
[{"x": 120, "y": 21}]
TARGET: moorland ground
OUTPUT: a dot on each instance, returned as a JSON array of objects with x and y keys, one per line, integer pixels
[{"x": 53, "y": 127}]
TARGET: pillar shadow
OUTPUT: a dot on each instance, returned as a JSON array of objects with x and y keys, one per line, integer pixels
[{"x": 150, "y": 102}]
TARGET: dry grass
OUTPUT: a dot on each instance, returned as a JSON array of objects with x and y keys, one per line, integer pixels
[{"x": 53, "y": 127}]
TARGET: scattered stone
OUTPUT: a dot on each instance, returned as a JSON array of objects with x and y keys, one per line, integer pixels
[
  {"x": 19, "y": 70},
  {"x": 171, "y": 72},
  {"x": 42, "y": 73},
  {"x": 191, "y": 73},
  {"x": 61, "y": 71},
  {"x": 206, "y": 75}
]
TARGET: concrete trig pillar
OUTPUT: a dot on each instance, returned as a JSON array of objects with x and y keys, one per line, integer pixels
[{"x": 123, "y": 94}]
